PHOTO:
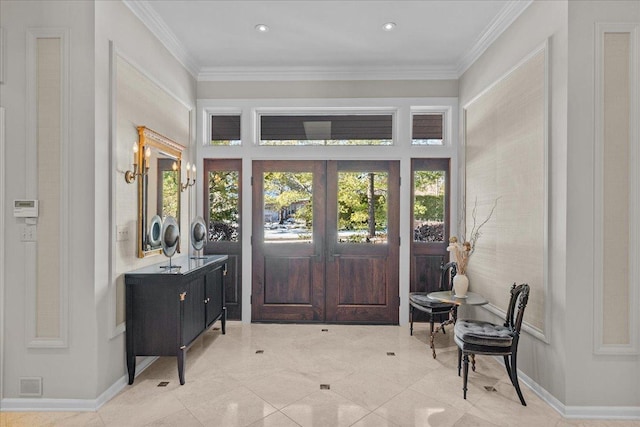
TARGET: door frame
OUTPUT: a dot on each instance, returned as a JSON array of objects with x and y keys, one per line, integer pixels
[{"x": 401, "y": 150}]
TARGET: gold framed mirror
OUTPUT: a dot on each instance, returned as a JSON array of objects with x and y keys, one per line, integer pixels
[{"x": 158, "y": 187}]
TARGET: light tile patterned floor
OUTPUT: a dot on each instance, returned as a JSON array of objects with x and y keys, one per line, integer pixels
[{"x": 229, "y": 384}]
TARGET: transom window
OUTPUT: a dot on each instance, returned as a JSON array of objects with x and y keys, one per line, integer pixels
[
  {"x": 319, "y": 129},
  {"x": 427, "y": 128},
  {"x": 225, "y": 129}
]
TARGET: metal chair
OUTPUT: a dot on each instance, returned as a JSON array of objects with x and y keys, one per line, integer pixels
[
  {"x": 420, "y": 300},
  {"x": 477, "y": 337}
]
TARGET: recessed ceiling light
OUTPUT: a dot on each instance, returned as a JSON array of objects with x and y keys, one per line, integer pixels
[
  {"x": 261, "y": 28},
  {"x": 389, "y": 26}
]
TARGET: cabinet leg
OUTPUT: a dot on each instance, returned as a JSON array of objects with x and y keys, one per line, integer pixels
[
  {"x": 131, "y": 368},
  {"x": 182, "y": 356},
  {"x": 223, "y": 320}
]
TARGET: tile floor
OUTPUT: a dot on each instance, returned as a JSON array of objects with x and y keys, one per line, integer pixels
[{"x": 229, "y": 384}]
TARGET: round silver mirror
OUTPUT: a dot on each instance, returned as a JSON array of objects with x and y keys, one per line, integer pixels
[
  {"x": 170, "y": 236},
  {"x": 155, "y": 231},
  {"x": 198, "y": 233}
]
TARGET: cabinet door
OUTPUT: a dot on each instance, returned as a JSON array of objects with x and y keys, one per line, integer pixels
[
  {"x": 193, "y": 310},
  {"x": 214, "y": 293}
]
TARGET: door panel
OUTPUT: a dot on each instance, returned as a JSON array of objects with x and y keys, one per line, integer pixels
[
  {"x": 214, "y": 282},
  {"x": 368, "y": 280},
  {"x": 222, "y": 214},
  {"x": 362, "y": 273},
  {"x": 289, "y": 280},
  {"x": 288, "y": 237}
]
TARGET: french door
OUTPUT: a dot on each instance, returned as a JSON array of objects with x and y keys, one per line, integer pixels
[{"x": 325, "y": 241}]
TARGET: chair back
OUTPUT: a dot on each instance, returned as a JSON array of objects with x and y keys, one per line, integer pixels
[
  {"x": 519, "y": 298},
  {"x": 447, "y": 271}
]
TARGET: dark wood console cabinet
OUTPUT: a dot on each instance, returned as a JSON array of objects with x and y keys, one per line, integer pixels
[{"x": 168, "y": 310}]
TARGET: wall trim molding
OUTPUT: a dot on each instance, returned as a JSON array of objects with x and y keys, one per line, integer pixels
[
  {"x": 633, "y": 347},
  {"x": 73, "y": 405},
  {"x": 572, "y": 411},
  {"x": 544, "y": 334},
  {"x": 114, "y": 328},
  {"x": 2, "y": 243},
  {"x": 31, "y": 180}
]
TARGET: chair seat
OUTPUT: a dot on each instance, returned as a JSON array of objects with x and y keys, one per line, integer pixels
[
  {"x": 483, "y": 333},
  {"x": 421, "y": 299}
]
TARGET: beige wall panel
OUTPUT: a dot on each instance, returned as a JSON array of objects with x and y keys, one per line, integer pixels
[
  {"x": 141, "y": 102},
  {"x": 48, "y": 148},
  {"x": 617, "y": 90},
  {"x": 505, "y": 146}
]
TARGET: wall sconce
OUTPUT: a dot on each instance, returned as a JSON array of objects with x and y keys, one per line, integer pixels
[
  {"x": 130, "y": 176},
  {"x": 191, "y": 170}
]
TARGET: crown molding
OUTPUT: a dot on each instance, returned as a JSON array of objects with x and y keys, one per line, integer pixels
[
  {"x": 496, "y": 27},
  {"x": 144, "y": 11},
  {"x": 323, "y": 73}
]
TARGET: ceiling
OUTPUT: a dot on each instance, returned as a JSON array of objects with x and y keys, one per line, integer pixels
[{"x": 327, "y": 39}]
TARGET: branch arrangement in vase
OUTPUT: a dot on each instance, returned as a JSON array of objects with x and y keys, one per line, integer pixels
[{"x": 463, "y": 248}]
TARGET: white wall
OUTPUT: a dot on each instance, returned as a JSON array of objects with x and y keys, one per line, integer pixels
[
  {"x": 94, "y": 359},
  {"x": 579, "y": 382},
  {"x": 328, "y": 89},
  {"x": 543, "y": 362},
  {"x": 115, "y": 22},
  {"x": 67, "y": 372}
]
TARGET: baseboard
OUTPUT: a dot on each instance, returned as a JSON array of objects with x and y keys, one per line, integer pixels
[
  {"x": 30, "y": 404},
  {"x": 581, "y": 412}
]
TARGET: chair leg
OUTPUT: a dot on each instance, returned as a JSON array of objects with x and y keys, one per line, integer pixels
[
  {"x": 411, "y": 319},
  {"x": 465, "y": 371},
  {"x": 514, "y": 377},
  {"x": 431, "y": 323},
  {"x": 459, "y": 360},
  {"x": 507, "y": 365}
]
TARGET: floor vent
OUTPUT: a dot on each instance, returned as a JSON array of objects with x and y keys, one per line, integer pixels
[
  {"x": 31, "y": 386},
  {"x": 259, "y": 351},
  {"x": 325, "y": 387},
  {"x": 163, "y": 383},
  {"x": 390, "y": 353},
  {"x": 325, "y": 330}
]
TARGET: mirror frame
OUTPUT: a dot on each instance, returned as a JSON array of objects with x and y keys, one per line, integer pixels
[{"x": 152, "y": 139}]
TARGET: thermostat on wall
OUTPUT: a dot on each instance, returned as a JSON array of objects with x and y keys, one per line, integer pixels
[{"x": 25, "y": 208}]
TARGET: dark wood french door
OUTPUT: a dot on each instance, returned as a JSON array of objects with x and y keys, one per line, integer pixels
[
  {"x": 430, "y": 228},
  {"x": 325, "y": 241}
]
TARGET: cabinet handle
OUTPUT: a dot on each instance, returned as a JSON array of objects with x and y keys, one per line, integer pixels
[
  {"x": 207, "y": 300},
  {"x": 183, "y": 296}
]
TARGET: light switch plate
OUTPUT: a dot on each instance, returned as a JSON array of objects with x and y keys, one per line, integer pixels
[
  {"x": 28, "y": 233},
  {"x": 122, "y": 233}
]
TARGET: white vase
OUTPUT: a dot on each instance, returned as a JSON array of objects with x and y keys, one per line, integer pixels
[{"x": 460, "y": 285}]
